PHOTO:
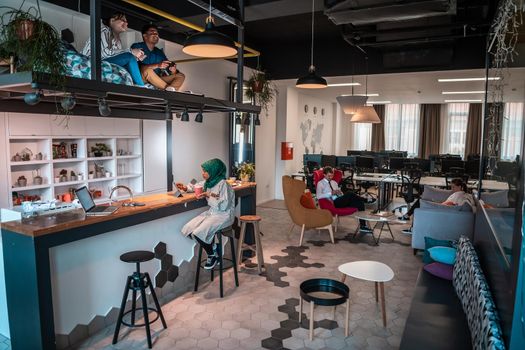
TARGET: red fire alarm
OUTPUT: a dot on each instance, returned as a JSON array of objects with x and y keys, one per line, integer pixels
[{"x": 286, "y": 150}]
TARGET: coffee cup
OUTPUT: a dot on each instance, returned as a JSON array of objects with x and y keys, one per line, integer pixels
[{"x": 198, "y": 189}]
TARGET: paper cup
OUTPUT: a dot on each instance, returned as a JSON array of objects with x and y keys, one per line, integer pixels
[{"x": 198, "y": 189}]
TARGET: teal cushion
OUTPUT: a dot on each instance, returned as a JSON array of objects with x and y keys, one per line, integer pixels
[
  {"x": 431, "y": 242},
  {"x": 445, "y": 255}
]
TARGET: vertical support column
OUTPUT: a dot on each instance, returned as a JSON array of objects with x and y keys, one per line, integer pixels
[
  {"x": 94, "y": 29},
  {"x": 240, "y": 54},
  {"x": 28, "y": 291},
  {"x": 169, "y": 154}
]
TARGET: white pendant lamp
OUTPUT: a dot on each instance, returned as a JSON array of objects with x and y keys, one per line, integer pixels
[
  {"x": 366, "y": 114},
  {"x": 351, "y": 103},
  {"x": 210, "y": 43},
  {"x": 311, "y": 80}
]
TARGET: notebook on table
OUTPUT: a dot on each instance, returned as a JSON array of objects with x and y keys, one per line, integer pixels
[{"x": 88, "y": 204}]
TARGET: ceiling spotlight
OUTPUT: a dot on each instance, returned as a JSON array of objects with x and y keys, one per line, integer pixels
[
  {"x": 466, "y": 79},
  {"x": 198, "y": 117},
  {"x": 68, "y": 102},
  {"x": 32, "y": 98},
  {"x": 210, "y": 42},
  {"x": 185, "y": 117},
  {"x": 103, "y": 107},
  {"x": 257, "y": 121},
  {"x": 238, "y": 119},
  {"x": 461, "y": 92},
  {"x": 343, "y": 84}
]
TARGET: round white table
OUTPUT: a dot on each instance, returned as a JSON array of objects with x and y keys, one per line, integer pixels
[
  {"x": 380, "y": 221},
  {"x": 373, "y": 271}
]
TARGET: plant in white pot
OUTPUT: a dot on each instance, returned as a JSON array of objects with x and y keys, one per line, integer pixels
[{"x": 246, "y": 171}]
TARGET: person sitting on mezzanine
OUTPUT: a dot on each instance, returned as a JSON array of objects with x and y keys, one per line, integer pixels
[
  {"x": 111, "y": 47},
  {"x": 155, "y": 68}
]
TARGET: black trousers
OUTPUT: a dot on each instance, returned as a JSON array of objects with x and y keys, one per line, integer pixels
[
  {"x": 351, "y": 200},
  {"x": 208, "y": 247}
]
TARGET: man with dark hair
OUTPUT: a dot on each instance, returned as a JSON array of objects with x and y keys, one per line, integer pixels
[
  {"x": 329, "y": 189},
  {"x": 155, "y": 68}
]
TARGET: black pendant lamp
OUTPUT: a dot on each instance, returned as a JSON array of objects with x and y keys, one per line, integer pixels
[
  {"x": 311, "y": 80},
  {"x": 210, "y": 43}
]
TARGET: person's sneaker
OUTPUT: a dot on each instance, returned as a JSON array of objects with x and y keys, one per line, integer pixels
[
  {"x": 407, "y": 231},
  {"x": 365, "y": 229},
  {"x": 171, "y": 88},
  {"x": 211, "y": 261}
]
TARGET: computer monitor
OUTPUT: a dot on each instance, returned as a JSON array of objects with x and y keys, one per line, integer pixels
[
  {"x": 348, "y": 160},
  {"x": 364, "y": 162},
  {"x": 353, "y": 152},
  {"x": 311, "y": 158},
  {"x": 424, "y": 165},
  {"x": 448, "y": 163},
  {"x": 472, "y": 168},
  {"x": 397, "y": 163},
  {"x": 328, "y": 160}
]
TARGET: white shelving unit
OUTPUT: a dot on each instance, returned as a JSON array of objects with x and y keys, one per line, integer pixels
[{"x": 123, "y": 166}]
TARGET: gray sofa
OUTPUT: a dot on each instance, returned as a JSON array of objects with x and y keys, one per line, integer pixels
[
  {"x": 440, "y": 222},
  {"x": 448, "y": 223}
]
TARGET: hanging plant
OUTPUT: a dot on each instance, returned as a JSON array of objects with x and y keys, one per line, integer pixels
[
  {"x": 261, "y": 90},
  {"x": 35, "y": 44}
]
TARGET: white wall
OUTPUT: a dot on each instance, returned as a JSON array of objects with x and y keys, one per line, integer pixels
[{"x": 343, "y": 132}]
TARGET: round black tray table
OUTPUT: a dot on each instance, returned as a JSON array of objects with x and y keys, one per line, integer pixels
[{"x": 324, "y": 292}]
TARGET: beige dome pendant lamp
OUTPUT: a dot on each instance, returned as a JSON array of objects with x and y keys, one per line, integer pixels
[
  {"x": 350, "y": 103},
  {"x": 311, "y": 80},
  {"x": 366, "y": 114},
  {"x": 210, "y": 43}
]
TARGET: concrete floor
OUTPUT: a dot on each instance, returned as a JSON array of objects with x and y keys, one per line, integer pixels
[{"x": 262, "y": 313}]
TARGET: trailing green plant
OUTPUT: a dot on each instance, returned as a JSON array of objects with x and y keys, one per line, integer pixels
[
  {"x": 35, "y": 44},
  {"x": 261, "y": 89}
]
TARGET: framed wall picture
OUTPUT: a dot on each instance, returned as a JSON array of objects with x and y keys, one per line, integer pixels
[{"x": 305, "y": 108}]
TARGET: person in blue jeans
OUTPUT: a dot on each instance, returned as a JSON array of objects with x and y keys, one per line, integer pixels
[{"x": 111, "y": 47}]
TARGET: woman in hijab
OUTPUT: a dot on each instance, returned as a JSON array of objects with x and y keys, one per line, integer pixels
[{"x": 221, "y": 200}]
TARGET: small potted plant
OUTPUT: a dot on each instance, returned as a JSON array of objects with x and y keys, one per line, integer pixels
[
  {"x": 246, "y": 171},
  {"x": 21, "y": 181},
  {"x": 261, "y": 90},
  {"x": 63, "y": 175},
  {"x": 73, "y": 176}
]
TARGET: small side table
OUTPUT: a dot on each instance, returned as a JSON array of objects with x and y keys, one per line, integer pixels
[
  {"x": 373, "y": 271},
  {"x": 380, "y": 221}
]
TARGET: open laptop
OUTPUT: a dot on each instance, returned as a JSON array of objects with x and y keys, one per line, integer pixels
[{"x": 85, "y": 199}]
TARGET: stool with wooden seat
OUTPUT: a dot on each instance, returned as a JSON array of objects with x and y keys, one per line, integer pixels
[
  {"x": 227, "y": 232},
  {"x": 254, "y": 220},
  {"x": 138, "y": 282}
]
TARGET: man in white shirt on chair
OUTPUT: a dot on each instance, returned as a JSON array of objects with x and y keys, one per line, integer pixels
[{"x": 329, "y": 189}]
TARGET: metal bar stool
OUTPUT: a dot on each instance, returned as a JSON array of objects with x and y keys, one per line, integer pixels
[
  {"x": 138, "y": 282},
  {"x": 254, "y": 220},
  {"x": 227, "y": 232}
]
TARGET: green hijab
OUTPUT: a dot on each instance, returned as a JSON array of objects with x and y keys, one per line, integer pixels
[{"x": 217, "y": 171}]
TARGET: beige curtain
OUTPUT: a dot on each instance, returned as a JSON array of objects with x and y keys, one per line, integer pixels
[
  {"x": 473, "y": 141},
  {"x": 378, "y": 130},
  {"x": 429, "y": 130}
]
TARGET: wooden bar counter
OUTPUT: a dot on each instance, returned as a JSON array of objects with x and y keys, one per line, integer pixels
[{"x": 26, "y": 249}]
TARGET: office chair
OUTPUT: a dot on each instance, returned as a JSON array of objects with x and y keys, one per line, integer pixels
[
  {"x": 347, "y": 183},
  {"x": 309, "y": 169},
  {"x": 410, "y": 189}
]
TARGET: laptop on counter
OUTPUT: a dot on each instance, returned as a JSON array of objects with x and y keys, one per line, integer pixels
[{"x": 88, "y": 204}]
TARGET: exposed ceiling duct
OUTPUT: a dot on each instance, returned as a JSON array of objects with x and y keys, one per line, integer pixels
[{"x": 360, "y": 12}]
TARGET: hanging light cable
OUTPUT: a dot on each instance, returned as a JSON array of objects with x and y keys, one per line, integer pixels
[
  {"x": 210, "y": 42},
  {"x": 311, "y": 80}
]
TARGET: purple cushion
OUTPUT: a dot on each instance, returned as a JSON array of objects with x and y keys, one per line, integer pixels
[{"x": 440, "y": 270}]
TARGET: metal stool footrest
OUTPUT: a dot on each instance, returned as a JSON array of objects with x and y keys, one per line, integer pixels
[{"x": 157, "y": 315}]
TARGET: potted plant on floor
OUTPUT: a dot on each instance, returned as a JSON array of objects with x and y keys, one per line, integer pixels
[
  {"x": 35, "y": 44},
  {"x": 261, "y": 90},
  {"x": 246, "y": 171}
]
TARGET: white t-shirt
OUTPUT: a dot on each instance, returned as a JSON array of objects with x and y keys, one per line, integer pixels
[{"x": 460, "y": 197}]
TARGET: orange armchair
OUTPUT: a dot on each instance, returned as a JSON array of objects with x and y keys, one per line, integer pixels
[{"x": 304, "y": 217}]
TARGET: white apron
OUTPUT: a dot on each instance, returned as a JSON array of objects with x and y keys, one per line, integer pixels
[{"x": 220, "y": 215}]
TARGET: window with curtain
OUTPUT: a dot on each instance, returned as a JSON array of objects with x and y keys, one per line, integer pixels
[
  {"x": 454, "y": 128},
  {"x": 512, "y": 130},
  {"x": 402, "y": 128},
  {"x": 362, "y": 136}
]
